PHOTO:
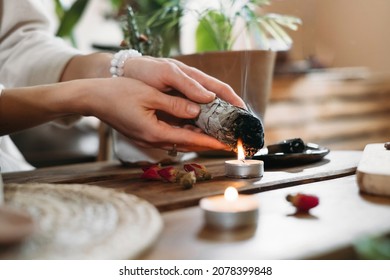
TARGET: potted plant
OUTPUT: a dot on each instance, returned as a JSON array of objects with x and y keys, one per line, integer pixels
[
  {"x": 248, "y": 71},
  {"x": 153, "y": 30}
]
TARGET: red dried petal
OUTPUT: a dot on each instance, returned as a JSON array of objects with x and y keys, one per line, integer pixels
[
  {"x": 200, "y": 170},
  {"x": 196, "y": 165},
  {"x": 168, "y": 173},
  {"x": 146, "y": 167},
  {"x": 151, "y": 173},
  {"x": 303, "y": 202},
  {"x": 188, "y": 167}
]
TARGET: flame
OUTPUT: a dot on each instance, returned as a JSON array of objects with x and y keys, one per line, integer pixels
[
  {"x": 231, "y": 194},
  {"x": 240, "y": 150}
]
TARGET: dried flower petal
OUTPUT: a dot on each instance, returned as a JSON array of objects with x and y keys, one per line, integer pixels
[
  {"x": 151, "y": 173},
  {"x": 146, "y": 167},
  {"x": 200, "y": 171},
  {"x": 168, "y": 173},
  {"x": 188, "y": 180},
  {"x": 303, "y": 202}
]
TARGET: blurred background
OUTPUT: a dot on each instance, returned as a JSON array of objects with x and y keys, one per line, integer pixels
[
  {"x": 340, "y": 33},
  {"x": 331, "y": 87}
]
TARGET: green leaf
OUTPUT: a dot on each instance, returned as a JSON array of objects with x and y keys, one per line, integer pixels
[
  {"x": 269, "y": 27},
  {"x": 116, "y": 3},
  {"x": 290, "y": 22},
  {"x": 259, "y": 35},
  {"x": 164, "y": 20},
  {"x": 213, "y": 32},
  {"x": 59, "y": 9},
  {"x": 281, "y": 33},
  {"x": 71, "y": 18}
]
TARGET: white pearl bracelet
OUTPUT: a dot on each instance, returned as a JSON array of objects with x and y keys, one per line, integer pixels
[{"x": 119, "y": 60}]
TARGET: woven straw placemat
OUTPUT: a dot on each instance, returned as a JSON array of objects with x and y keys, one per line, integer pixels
[{"x": 74, "y": 221}]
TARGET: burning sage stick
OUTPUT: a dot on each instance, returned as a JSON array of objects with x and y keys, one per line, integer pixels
[{"x": 228, "y": 123}]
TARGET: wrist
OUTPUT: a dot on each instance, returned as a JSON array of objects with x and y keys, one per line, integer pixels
[
  {"x": 90, "y": 98},
  {"x": 87, "y": 66}
]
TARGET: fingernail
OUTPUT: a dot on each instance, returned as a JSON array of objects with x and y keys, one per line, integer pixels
[
  {"x": 210, "y": 94},
  {"x": 193, "y": 109}
]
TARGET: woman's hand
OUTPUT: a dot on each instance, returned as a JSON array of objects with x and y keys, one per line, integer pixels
[
  {"x": 171, "y": 74},
  {"x": 134, "y": 109},
  {"x": 136, "y": 113},
  {"x": 163, "y": 74}
]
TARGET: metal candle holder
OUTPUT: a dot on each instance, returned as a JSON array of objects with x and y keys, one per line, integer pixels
[
  {"x": 227, "y": 215},
  {"x": 242, "y": 169}
]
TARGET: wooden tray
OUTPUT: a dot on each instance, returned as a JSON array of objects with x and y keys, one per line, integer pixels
[{"x": 168, "y": 196}]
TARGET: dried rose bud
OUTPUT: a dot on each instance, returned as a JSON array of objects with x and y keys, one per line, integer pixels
[
  {"x": 146, "y": 167},
  {"x": 303, "y": 202},
  {"x": 151, "y": 173},
  {"x": 124, "y": 44},
  {"x": 188, "y": 180},
  {"x": 143, "y": 38},
  {"x": 168, "y": 173},
  {"x": 200, "y": 171}
]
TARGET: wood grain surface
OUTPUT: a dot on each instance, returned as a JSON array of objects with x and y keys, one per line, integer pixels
[
  {"x": 169, "y": 196},
  {"x": 329, "y": 231},
  {"x": 343, "y": 108}
]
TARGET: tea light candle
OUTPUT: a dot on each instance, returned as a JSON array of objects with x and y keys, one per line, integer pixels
[
  {"x": 231, "y": 210},
  {"x": 243, "y": 168}
]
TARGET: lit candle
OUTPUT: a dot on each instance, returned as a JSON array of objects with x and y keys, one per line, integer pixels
[
  {"x": 243, "y": 168},
  {"x": 230, "y": 210}
]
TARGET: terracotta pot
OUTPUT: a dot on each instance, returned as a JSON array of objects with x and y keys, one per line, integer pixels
[{"x": 249, "y": 73}]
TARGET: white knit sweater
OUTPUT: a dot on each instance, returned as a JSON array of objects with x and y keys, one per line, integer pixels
[{"x": 30, "y": 54}]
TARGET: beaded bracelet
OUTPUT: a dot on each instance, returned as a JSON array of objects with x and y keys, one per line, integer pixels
[{"x": 119, "y": 59}]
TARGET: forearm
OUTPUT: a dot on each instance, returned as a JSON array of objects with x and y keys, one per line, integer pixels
[
  {"x": 22, "y": 108},
  {"x": 96, "y": 65}
]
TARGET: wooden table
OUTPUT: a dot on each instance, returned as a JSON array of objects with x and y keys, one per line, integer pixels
[{"x": 342, "y": 216}]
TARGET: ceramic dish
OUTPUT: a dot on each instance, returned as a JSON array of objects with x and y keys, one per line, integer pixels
[{"x": 311, "y": 153}]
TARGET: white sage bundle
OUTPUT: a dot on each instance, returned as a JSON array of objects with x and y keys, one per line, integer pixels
[{"x": 228, "y": 123}]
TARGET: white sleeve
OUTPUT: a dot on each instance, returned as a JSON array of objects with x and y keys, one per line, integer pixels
[{"x": 30, "y": 54}]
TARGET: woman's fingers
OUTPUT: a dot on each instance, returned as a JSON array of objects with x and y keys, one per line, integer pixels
[
  {"x": 165, "y": 75},
  {"x": 135, "y": 109},
  {"x": 175, "y": 106},
  {"x": 190, "y": 87},
  {"x": 184, "y": 140},
  {"x": 221, "y": 89}
]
